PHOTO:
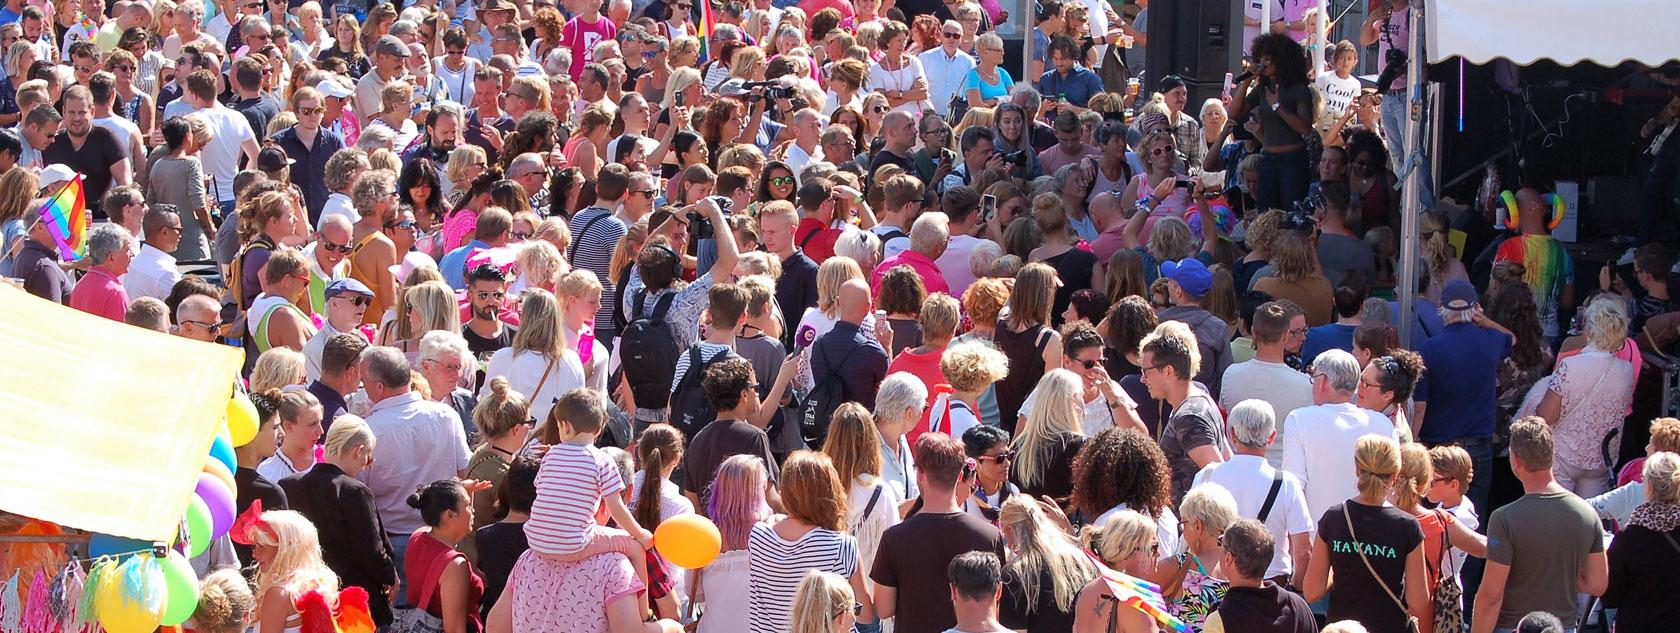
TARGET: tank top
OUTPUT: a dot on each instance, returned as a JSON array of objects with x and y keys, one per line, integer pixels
[
  {"x": 370, "y": 277},
  {"x": 264, "y": 307},
  {"x": 1025, "y": 350},
  {"x": 1174, "y": 205}
]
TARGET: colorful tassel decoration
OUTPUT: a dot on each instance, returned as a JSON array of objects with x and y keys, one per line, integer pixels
[
  {"x": 11, "y": 607},
  {"x": 37, "y": 618}
]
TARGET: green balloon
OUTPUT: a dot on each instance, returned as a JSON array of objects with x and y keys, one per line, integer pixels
[
  {"x": 181, "y": 585},
  {"x": 198, "y": 526}
]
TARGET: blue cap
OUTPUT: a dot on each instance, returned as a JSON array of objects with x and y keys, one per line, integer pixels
[
  {"x": 347, "y": 285},
  {"x": 1458, "y": 294},
  {"x": 1190, "y": 274}
]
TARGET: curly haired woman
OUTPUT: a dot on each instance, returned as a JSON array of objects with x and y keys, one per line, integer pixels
[{"x": 1123, "y": 469}]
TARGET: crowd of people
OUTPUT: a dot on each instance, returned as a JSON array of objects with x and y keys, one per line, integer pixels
[{"x": 935, "y": 348}]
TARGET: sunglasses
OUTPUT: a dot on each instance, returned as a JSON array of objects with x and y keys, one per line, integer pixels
[
  {"x": 1092, "y": 364},
  {"x": 644, "y": 192},
  {"x": 487, "y": 295},
  {"x": 311, "y": 111},
  {"x": 83, "y": 69},
  {"x": 1000, "y": 457},
  {"x": 337, "y": 248},
  {"x": 455, "y": 51},
  {"x": 212, "y": 327},
  {"x": 950, "y": 35},
  {"x": 1160, "y": 151},
  {"x": 685, "y": 7},
  {"x": 880, "y": 108},
  {"x": 405, "y": 224},
  {"x": 781, "y": 181},
  {"x": 360, "y": 301},
  {"x": 521, "y": 235}
]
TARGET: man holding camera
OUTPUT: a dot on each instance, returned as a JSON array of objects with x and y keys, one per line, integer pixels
[{"x": 976, "y": 145}]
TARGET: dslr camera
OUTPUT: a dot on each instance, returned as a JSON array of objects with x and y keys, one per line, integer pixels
[
  {"x": 1017, "y": 157},
  {"x": 700, "y": 225}
]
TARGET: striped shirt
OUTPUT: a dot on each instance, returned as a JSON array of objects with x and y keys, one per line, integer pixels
[
  {"x": 775, "y": 567},
  {"x": 592, "y": 250},
  {"x": 570, "y": 484}
]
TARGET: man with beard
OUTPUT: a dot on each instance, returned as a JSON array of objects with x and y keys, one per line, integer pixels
[
  {"x": 375, "y": 193},
  {"x": 346, "y": 303},
  {"x": 310, "y": 146},
  {"x": 443, "y": 125},
  {"x": 485, "y": 332},
  {"x": 92, "y": 151}
]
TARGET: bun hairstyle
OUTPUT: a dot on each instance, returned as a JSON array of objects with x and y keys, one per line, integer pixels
[
  {"x": 1377, "y": 460},
  {"x": 658, "y": 447},
  {"x": 267, "y": 403},
  {"x": 435, "y": 498},
  {"x": 225, "y": 603},
  {"x": 1662, "y": 478},
  {"x": 500, "y": 412}
]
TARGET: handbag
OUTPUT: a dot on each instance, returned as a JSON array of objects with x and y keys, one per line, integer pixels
[
  {"x": 1411, "y": 620},
  {"x": 1449, "y": 605},
  {"x": 415, "y": 618}
]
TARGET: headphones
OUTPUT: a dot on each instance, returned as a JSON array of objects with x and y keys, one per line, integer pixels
[
  {"x": 676, "y": 261},
  {"x": 1506, "y": 219}
]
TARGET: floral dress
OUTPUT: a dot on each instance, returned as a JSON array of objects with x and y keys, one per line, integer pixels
[{"x": 1201, "y": 596}]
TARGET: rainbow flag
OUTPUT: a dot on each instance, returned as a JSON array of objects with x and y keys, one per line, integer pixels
[
  {"x": 705, "y": 25},
  {"x": 65, "y": 215},
  {"x": 1139, "y": 594}
]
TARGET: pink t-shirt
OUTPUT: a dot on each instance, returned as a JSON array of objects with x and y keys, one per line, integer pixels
[
  {"x": 932, "y": 279},
  {"x": 550, "y": 595},
  {"x": 570, "y": 484},
  {"x": 100, "y": 293},
  {"x": 811, "y": 7},
  {"x": 582, "y": 37},
  {"x": 457, "y": 227}
]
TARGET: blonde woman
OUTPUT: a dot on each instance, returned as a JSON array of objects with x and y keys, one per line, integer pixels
[
  {"x": 1027, "y": 339},
  {"x": 845, "y": 85},
  {"x": 540, "y": 266},
  {"x": 391, "y": 329},
  {"x": 431, "y": 306},
  {"x": 975, "y": 117},
  {"x": 1587, "y": 396},
  {"x": 969, "y": 367},
  {"x": 1198, "y": 584},
  {"x": 1444, "y": 262},
  {"x": 538, "y": 363},
  {"x": 683, "y": 88},
  {"x": 1049, "y": 438},
  {"x": 818, "y": 320},
  {"x": 225, "y": 603},
  {"x": 872, "y": 506},
  {"x": 287, "y": 550},
  {"x": 1044, "y": 576},
  {"x": 579, "y": 293},
  {"x": 1441, "y": 529},
  {"x": 824, "y": 603},
  {"x": 300, "y": 429},
  {"x": 587, "y": 147},
  {"x": 466, "y": 164},
  {"x": 1370, "y": 520},
  {"x": 278, "y": 368},
  {"x": 1126, "y": 544}
]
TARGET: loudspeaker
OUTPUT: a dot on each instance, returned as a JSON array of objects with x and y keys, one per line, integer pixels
[{"x": 1198, "y": 40}]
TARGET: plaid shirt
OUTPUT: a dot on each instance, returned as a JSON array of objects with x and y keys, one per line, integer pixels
[{"x": 1187, "y": 133}]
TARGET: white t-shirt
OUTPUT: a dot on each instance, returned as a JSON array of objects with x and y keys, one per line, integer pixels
[
  {"x": 902, "y": 79},
  {"x": 221, "y": 156},
  {"x": 125, "y": 131},
  {"x": 1249, "y": 480},
  {"x": 1318, "y": 443},
  {"x": 524, "y": 370},
  {"x": 459, "y": 85},
  {"x": 891, "y": 246},
  {"x": 1275, "y": 383},
  {"x": 1166, "y": 528},
  {"x": 1338, "y": 93}
]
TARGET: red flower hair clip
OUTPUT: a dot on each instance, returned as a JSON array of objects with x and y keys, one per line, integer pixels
[{"x": 249, "y": 523}]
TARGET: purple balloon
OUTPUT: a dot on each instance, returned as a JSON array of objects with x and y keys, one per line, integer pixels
[{"x": 220, "y": 500}]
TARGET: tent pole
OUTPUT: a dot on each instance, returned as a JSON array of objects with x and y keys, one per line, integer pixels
[
  {"x": 1320, "y": 38},
  {"x": 1029, "y": 17},
  {"x": 1411, "y": 172}
]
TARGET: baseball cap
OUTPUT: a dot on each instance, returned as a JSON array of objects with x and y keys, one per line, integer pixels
[
  {"x": 390, "y": 45},
  {"x": 411, "y": 261},
  {"x": 332, "y": 88},
  {"x": 1458, "y": 294},
  {"x": 345, "y": 285},
  {"x": 1169, "y": 82},
  {"x": 1190, "y": 274},
  {"x": 55, "y": 174},
  {"x": 273, "y": 159}
]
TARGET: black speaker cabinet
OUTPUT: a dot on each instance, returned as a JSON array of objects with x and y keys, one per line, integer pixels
[{"x": 1199, "y": 40}]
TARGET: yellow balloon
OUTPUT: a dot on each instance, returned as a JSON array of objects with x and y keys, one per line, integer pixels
[
  {"x": 689, "y": 541},
  {"x": 131, "y": 598},
  {"x": 241, "y": 420}
]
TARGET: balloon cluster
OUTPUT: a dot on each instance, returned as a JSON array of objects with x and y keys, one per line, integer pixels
[{"x": 138, "y": 592}]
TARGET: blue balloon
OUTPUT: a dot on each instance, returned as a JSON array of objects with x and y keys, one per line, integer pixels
[
  {"x": 222, "y": 450},
  {"x": 107, "y": 545}
]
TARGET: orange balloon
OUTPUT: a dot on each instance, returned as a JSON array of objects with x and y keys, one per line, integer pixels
[
  {"x": 220, "y": 471},
  {"x": 689, "y": 541}
]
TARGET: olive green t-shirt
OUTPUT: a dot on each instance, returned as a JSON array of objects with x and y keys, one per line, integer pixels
[{"x": 1545, "y": 538}]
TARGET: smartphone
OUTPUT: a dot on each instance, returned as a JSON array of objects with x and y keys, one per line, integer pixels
[
  {"x": 988, "y": 206},
  {"x": 1182, "y": 184},
  {"x": 677, "y": 99}
]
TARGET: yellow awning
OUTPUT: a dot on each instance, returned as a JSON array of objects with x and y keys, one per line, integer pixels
[{"x": 103, "y": 426}]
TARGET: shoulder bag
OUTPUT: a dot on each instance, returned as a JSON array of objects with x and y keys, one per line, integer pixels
[
  {"x": 1411, "y": 620},
  {"x": 1449, "y": 608}
]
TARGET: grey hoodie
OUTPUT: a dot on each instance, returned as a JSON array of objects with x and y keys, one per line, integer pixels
[{"x": 1213, "y": 337}]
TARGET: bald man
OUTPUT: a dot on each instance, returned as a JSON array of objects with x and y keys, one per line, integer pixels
[
  {"x": 328, "y": 259},
  {"x": 848, "y": 353},
  {"x": 199, "y": 318},
  {"x": 898, "y": 131},
  {"x": 1548, "y": 269}
]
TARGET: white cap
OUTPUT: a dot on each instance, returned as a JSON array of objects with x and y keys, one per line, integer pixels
[
  {"x": 55, "y": 174},
  {"x": 332, "y": 88}
]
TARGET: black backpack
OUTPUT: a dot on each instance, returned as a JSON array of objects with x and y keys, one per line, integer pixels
[
  {"x": 689, "y": 410},
  {"x": 828, "y": 392},
  {"x": 649, "y": 353}
]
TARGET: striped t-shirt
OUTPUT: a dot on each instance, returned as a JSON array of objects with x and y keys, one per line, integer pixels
[
  {"x": 592, "y": 250},
  {"x": 775, "y": 567},
  {"x": 571, "y": 482}
]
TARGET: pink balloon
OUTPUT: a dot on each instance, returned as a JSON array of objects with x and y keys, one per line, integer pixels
[{"x": 220, "y": 500}]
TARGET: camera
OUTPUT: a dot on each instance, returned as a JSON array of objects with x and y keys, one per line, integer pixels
[
  {"x": 1300, "y": 217},
  {"x": 779, "y": 92},
  {"x": 1394, "y": 65},
  {"x": 1017, "y": 157},
  {"x": 700, "y": 225}
]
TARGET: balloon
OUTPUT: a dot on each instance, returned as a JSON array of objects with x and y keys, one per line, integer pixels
[
  {"x": 690, "y": 541},
  {"x": 241, "y": 419},
  {"x": 222, "y": 450},
  {"x": 198, "y": 527},
  {"x": 219, "y": 499},
  {"x": 131, "y": 598},
  {"x": 222, "y": 472},
  {"x": 181, "y": 587},
  {"x": 107, "y": 545}
]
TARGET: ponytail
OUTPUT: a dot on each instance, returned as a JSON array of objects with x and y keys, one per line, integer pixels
[{"x": 658, "y": 447}]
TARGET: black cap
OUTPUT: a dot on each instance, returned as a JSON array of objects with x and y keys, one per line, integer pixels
[{"x": 273, "y": 159}]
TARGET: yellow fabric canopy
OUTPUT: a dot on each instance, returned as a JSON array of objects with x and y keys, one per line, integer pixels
[{"x": 104, "y": 426}]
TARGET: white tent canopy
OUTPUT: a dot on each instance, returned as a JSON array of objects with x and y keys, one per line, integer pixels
[{"x": 1565, "y": 31}]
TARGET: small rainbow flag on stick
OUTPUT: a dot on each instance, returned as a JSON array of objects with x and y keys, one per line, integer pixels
[
  {"x": 65, "y": 216},
  {"x": 706, "y": 24}
]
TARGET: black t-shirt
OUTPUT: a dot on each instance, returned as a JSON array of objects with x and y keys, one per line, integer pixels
[
  {"x": 1044, "y": 617},
  {"x": 1073, "y": 268},
  {"x": 499, "y": 546},
  {"x": 258, "y": 111},
  {"x": 475, "y": 136},
  {"x": 253, "y": 487},
  {"x": 887, "y": 157},
  {"x": 913, "y": 556},
  {"x": 1388, "y": 536},
  {"x": 483, "y": 347},
  {"x": 718, "y": 441},
  {"x": 1057, "y": 479},
  {"x": 93, "y": 160}
]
